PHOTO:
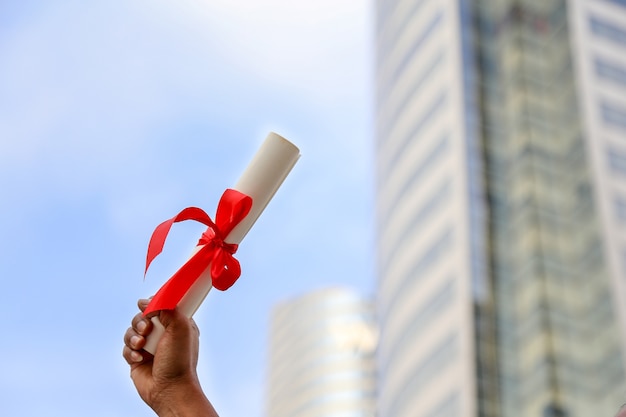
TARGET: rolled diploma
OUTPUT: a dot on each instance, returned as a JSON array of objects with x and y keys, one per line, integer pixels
[{"x": 261, "y": 179}]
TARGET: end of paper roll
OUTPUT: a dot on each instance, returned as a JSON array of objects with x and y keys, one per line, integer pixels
[
  {"x": 153, "y": 338},
  {"x": 264, "y": 175}
]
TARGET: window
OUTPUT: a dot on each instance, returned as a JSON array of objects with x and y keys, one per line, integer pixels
[
  {"x": 387, "y": 42},
  {"x": 429, "y": 115},
  {"x": 418, "y": 83},
  {"x": 621, "y": 3},
  {"x": 607, "y": 30},
  {"x": 610, "y": 71},
  {"x": 441, "y": 357},
  {"x": 620, "y": 209},
  {"x": 416, "y": 49},
  {"x": 617, "y": 162},
  {"x": 418, "y": 270},
  {"x": 420, "y": 320},
  {"x": 613, "y": 115},
  {"x": 435, "y": 203},
  {"x": 419, "y": 174},
  {"x": 449, "y": 406}
]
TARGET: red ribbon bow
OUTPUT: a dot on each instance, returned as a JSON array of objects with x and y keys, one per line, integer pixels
[{"x": 225, "y": 269}]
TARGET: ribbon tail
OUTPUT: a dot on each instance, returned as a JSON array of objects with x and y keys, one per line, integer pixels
[
  {"x": 157, "y": 240},
  {"x": 170, "y": 294}
]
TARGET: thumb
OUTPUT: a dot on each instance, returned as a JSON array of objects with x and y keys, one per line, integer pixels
[
  {"x": 178, "y": 327},
  {"x": 172, "y": 319},
  {"x": 174, "y": 355}
]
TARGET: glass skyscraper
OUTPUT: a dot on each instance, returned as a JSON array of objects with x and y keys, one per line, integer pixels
[
  {"x": 322, "y": 356},
  {"x": 501, "y": 207}
]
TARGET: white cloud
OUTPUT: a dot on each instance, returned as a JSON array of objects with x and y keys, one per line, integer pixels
[
  {"x": 315, "y": 48},
  {"x": 87, "y": 85}
]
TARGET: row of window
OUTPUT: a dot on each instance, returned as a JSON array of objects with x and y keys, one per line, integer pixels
[
  {"x": 518, "y": 15},
  {"x": 610, "y": 71},
  {"x": 607, "y": 30},
  {"x": 431, "y": 205},
  {"x": 440, "y": 358},
  {"x": 401, "y": 105},
  {"x": 387, "y": 41},
  {"x": 593, "y": 380},
  {"x": 411, "y": 182},
  {"x": 428, "y": 313},
  {"x": 282, "y": 380},
  {"x": 617, "y": 161},
  {"x": 386, "y": 86},
  {"x": 347, "y": 381},
  {"x": 613, "y": 115},
  {"x": 315, "y": 339},
  {"x": 384, "y": 10},
  {"x": 449, "y": 406},
  {"x": 414, "y": 133},
  {"x": 563, "y": 315},
  {"x": 348, "y": 403},
  {"x": 621, "y": 3},
  {"x": 417, "y": 271},
  {"x": 620, "y": 209},
  {"x": 292, "y": 318}
]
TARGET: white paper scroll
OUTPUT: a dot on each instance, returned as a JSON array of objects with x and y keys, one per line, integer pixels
[{"x": 261, "y": 179}]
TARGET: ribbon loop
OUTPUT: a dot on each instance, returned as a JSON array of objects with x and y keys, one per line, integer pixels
[{"x": 214, "y": 252}]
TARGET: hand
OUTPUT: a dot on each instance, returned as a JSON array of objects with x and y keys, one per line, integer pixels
[{"x": 168, "y": 381}]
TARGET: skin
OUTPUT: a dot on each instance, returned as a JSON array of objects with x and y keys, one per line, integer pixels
[
  {"x": 622, "y": 412},
  {"x": 168, "y": 381}
]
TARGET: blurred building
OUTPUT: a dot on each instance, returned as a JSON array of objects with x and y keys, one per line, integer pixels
[
  {"x": 322, "y": 356},
  {"x": 501, "y": 207}
]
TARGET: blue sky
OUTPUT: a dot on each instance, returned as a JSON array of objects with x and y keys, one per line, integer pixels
[{"x": 115, "y": 115}]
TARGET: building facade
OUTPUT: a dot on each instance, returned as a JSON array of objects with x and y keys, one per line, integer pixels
[
  {"x": 501, "y": 217},
  {"x": 322, "y": 356}
]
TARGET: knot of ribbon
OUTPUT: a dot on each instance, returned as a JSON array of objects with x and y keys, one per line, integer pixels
[{"x": 213, "y": 252}]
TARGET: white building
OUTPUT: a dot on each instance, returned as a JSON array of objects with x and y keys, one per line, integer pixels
[
  {"x": 501, "y": 166},
  {"x": 322, "y": 356},
  {"x": 600, "y": 45}
]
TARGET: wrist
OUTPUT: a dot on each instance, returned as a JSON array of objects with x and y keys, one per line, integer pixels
[{"x": 183, "y": 400}]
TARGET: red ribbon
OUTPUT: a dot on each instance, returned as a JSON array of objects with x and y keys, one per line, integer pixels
[{"x": 225, "y": 269}]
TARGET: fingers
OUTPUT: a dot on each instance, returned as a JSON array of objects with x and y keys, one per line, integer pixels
[
  {"x": 135, "y": 337},
  {"x": 135, "y": 357},
  {"x": 141, "y": 324},
  {"x": 142, "y": 303}
]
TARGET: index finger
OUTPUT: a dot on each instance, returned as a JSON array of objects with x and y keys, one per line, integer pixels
[{"x": 142, "y": 303}]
